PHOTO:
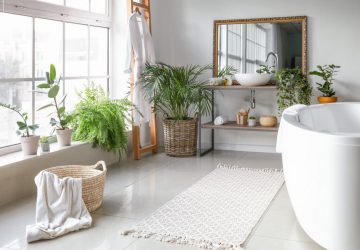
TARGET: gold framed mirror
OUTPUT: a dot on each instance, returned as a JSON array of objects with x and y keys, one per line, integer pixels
[{"x": 245, "y": 44}]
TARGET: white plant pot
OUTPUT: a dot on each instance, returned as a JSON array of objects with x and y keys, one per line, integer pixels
[
  {"x": 251, "y": 122},
  {"x": 29, "y": 145},
  {"x": 64, "y": 137}
]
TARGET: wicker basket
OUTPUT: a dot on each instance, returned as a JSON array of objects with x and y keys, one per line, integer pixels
[
  {"x": 180, "y": 137},
  {"x": 93, "y": 181}
]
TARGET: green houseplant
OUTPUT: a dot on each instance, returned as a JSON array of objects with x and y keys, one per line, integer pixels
[
  {"x": 44, "y": 144},
  {"x": 59, "y": 118},
  {"x": 293, "y": 88},
  {"x": 179, "y": 94},
  {"x": 29, "y": 142},
  {"x": 327, "y": 73},
  {"x": 101, "y": 121}
]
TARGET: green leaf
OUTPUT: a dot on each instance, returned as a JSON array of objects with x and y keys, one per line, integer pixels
[
  {"x": 52, "y": 73},
  {"x": 53, "y": 91},
  {"x": 61, "y": 110},
  {"x": 46, "y": 106},
  {"x": 21, "y": 124},
  {"x": 44, "y": 86},
  {"x": 33, "y": 127}
]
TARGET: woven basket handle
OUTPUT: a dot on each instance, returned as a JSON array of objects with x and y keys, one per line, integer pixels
[{"x": 100, "y": 164}]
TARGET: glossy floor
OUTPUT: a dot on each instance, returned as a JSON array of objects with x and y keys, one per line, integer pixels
[{"x": 135, "y": 189}]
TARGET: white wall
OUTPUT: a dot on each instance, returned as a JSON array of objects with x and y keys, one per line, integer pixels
[{"x": 183, "y": 34}]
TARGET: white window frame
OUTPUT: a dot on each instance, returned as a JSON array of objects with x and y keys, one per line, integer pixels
[{"x": 49, "y": 11}]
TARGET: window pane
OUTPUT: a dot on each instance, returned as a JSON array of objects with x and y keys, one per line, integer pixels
[
  {"x": 78, "y": 4},
  {"x": 76, "y": 50},
  {"x": 98, "y": 51},
  {"x": 99, "y": 6},
  {"x": 15, "y": 46},
  {"x": 14, "y": 93},
  {"x": 72, "y": 88},
  {"x": 59, "y": 2},
  {"x": 48, "y": 46},
  {"x": 42, "y": 117}
]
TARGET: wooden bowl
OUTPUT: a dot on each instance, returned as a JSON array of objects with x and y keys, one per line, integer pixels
[{"x": 268, "y": 121}]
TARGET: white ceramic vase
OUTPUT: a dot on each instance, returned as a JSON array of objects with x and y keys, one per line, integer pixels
[
  {"x": 29, "y": 145},
  {"x": 251, "y": 122},
  {"x": 64, "y": 137}
]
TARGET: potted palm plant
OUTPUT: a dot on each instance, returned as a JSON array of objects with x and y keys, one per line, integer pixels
[
  {"x": 61, "y": 119},
  {"x": 179, "y": 94},
  {"x": 29, "y": 143},
  {"x": 327, "y": 73}
]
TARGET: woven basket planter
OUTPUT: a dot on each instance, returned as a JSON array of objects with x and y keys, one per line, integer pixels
[
  {"x": 180, "y": 137},
  {"x": 93, "y": 181}
]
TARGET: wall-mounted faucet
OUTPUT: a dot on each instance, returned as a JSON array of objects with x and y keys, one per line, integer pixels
[{"x": 276, "y": 59}]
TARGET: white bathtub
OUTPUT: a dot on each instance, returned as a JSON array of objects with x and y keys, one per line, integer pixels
[{"x": 320, "y": 148}]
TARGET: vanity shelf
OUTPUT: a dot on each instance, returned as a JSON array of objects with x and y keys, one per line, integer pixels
[
  {"x": 234, "y": 125},
  {"x": 231, "y": 125}
]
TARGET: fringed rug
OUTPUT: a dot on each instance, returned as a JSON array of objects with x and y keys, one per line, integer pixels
[{"x": 217, "y": 212}]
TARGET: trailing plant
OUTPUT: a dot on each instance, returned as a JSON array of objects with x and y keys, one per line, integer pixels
[
  {"x": 327, "y": 73},
  {"x": 101, "y": 121},
  {"x": 293, "y": 88},
  {"x": 23, "y": 127},
  {"x": 264, "y": 69},
  {"x": 177, "y": 91},
  {"x": 227, "y": 71},
  {"x": 52, "y": 85}
]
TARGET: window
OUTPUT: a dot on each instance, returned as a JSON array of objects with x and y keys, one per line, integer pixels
[
  {"x": 28, "y": 45},
  {"x": 96, "y": 6}
]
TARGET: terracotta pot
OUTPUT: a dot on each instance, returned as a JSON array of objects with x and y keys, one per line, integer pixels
[
  {"x": 268, "y": 121},
  {"x": 325, "y": 99},
  {"x": 64, "y": 137},
  {"x": 29, "y": 145}
]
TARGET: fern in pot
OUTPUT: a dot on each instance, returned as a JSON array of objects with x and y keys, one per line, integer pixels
[
  {"x": 101, "y": 121},
  {"x": 59, "y": 118},
  {"x": 29, "y": 142},
  {"x": 181, "y": 96}
]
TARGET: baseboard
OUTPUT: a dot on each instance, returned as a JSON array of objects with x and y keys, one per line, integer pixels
[{"x": 246, "y": 147}]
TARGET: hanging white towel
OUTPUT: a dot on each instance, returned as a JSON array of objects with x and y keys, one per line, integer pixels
[
  {"x": 139, "y": 45},
  {"x": 220, "y": 120},
  {"x": 60, "y": 208}
]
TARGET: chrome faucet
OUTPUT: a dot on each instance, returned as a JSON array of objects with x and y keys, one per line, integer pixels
[{"x": 276, "y": 59}]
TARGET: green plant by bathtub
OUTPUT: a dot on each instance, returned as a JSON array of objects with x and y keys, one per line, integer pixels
[
  {"x": 227, "y": 71},
  {"x": 293, "y": 88},
  {"x": 327, "y": 73}
]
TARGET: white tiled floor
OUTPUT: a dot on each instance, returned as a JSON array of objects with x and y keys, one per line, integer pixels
[{"x": 135, "y": 189}]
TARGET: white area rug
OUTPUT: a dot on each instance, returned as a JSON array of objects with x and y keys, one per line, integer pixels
[{"x": 217, "y": 212}]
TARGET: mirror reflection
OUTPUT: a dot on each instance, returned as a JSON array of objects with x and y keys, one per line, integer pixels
[{"x": 247, "y": 46}]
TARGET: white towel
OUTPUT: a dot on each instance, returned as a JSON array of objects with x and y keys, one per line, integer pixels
[
  {"x": 60, "y": 208},
  {"x": 220, "y": 120}
]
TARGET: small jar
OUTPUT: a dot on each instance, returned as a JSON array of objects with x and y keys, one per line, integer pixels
[{"x": 241, "y": 119}]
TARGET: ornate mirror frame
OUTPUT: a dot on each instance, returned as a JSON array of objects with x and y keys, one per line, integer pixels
[{"x": 301, "y": 19}]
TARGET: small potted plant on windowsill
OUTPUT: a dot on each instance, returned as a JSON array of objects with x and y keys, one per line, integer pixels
[
  {"x": 44, "y": 144},
  {"x": 62, "y": 119},
  {"x": 29, "y": 143},
  {"x": 327, "y": 73}
]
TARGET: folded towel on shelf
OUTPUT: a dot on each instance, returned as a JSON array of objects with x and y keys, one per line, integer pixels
[
  {"x": 220, "y": 120},
  {"x": 60, "y": 208}
]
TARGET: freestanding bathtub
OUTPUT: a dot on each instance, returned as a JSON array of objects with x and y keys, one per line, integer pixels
[{"x": 320, "y": 148}]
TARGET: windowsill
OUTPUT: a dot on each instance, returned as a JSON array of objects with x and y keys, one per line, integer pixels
[{"x": 19, "y": 156}]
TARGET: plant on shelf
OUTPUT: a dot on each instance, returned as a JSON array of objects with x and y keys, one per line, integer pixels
[
  {"x": 227, "y": 71},
  {"x": 61, "y": 119},
  {"x": 293, "y": 88},
  {"x": 264, "y": 69},
  {"x": 327, "y": 73},
  {"x": 101, "y": 121},
  {"x": 181, "y": 96},
  {"x": 45, "y": 144},
  {"x": 29, "y": 142}
]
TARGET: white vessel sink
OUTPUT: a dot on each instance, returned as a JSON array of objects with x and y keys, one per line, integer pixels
[{"x": 253, "y": 79}]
